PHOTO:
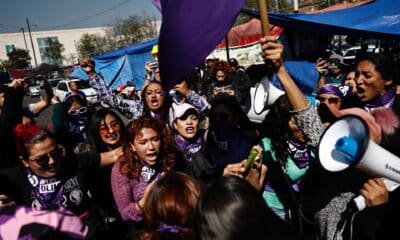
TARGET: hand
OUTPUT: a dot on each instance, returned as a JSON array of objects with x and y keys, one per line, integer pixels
[
  {"x": 142, "y": 201},
  {"x": 182, "y": 88},
  {"x": 272, "y": 51},
  {"x": 17, "y": 82},
  {"x": 322, "y": 65},
  {"x": 235, "y": 169},
  {"x": 217, "y": 90},
  {"x": 148, "y": 67},
  {"x": 230, "y": 91},
  {"x": 375, "y": 192},
  {"x": 257, "y": 171},
  {"x": 54, "y": 100}
]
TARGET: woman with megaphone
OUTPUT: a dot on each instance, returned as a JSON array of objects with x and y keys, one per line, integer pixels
[{"x": 329, "y": 195}]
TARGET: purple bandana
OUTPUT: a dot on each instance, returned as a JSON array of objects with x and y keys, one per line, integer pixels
[
  {"x": 384, "y": 101},
  {"x": 47, "y": 191},
  {"x": 299, "y": 153},
  {"x": 341, "y": 91},
  {"x": 188, "y": 146}
]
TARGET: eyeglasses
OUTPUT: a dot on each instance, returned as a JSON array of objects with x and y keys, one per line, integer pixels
[
  {"x": 115, "y": 126},
  {"x": 84, "y": 65},
  {"x": 77, "y": 111},
  {"x": 56, "y": 154},
  {"x": 330, "y": 100}
]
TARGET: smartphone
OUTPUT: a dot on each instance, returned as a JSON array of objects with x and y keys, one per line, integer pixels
[{"x": 250, "y": 159}]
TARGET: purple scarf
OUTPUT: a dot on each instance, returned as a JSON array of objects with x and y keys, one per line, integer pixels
[
  {"x": 47, "y": 191},
  {"x": 188, "y": 147},
  {"x": 384, "y": 101},
  {"x": 299, "y": 153}
]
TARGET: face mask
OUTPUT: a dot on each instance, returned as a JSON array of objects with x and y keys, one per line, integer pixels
[{"x": 325, "y": 114}]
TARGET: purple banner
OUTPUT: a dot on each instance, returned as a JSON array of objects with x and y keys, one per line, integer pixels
[{"x": 190, "y": 30}]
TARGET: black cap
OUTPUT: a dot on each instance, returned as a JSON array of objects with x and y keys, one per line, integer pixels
[{"x": 233, "y": 62}]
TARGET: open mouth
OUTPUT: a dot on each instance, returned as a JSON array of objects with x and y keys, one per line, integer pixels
[
  {"x": 360, "y": 90},
  {"x": 154, "y": 102},
  {"x": 189, "y": 130}
]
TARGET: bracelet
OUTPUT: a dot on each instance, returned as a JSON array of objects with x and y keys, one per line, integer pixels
[{"x": 140, "y": 207}]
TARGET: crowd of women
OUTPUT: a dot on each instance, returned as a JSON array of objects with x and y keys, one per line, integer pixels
[{"x": 178, "y": 169}]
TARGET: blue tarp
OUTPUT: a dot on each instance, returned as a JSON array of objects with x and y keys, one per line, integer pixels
[
  {"x": 127, "y": 64},
  {"x": 379, "y": 19}
]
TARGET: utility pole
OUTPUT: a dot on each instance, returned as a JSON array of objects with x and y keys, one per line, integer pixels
[
  {"x": 23, "y": 34},
  {"x": 30, "y": 35},
  {"x": 296, "y": 6}
]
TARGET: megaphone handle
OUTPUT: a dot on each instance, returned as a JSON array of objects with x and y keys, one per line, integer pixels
[{"x": 360, "y": 200}]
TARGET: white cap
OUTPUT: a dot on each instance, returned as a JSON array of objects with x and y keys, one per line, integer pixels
[{"x": 179, "y": 109}]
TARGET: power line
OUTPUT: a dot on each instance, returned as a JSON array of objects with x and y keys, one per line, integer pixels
[{"x": 91, "y": 16}]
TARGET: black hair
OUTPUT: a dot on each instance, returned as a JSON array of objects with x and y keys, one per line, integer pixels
[
  {"x": 74, "y": 98},
  {"x": 164, "y": 109},
  {"x": 276, "y": 127},
  {"x": 235, "y": 110},
  {"x": 383, "y": 64},
  {"x": 94, "y": 126},
  {"x": 231, "y": 209}
]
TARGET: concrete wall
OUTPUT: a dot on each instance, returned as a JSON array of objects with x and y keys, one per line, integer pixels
[{"x": 68, "y": 37}]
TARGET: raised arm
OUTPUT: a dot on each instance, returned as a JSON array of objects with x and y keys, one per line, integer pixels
[{"x": 305, "y": 115}]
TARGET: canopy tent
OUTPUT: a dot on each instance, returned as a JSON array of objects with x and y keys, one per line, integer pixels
[
  {"x": 247, "y": 33},
  {"x": 127, "y": 64},
  {"x": 379, "y": 19}
]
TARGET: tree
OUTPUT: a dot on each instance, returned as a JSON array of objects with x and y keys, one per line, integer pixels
[
  {"x": 17, "y": 59},
  {"x": 134, "y": 29},
  {"x": 53, "y": 51},
  {"x": 87, "y": 45}
]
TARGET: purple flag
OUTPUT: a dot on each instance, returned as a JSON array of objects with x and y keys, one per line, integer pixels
[
  {"x": 190, "y": 30},
  {"x": 157, "y": 3}
]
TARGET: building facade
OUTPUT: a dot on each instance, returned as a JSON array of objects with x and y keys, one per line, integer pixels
[{"x": 68, "y": 37}]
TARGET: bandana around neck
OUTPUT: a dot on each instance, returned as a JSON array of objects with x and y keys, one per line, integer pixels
[
  {"x": 188, "y": 146},
  {"x": 149, "y": 173},
  {"x": 299, "y": 153},
  {"x": 384, "y": 101},
  {"x": 47, "y": 191}
]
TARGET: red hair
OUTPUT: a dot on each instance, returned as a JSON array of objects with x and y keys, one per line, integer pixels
[
  {"x": 26, "y": 134},
  {"x": 130, "y": 162}
]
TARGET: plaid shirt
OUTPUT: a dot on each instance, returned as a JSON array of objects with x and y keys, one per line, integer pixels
[{"x": 132, "y": 109}]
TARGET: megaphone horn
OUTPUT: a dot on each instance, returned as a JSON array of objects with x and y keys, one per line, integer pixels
[
  {"x": 265, "y": 95},
  {"x": 346, "y": 143}
]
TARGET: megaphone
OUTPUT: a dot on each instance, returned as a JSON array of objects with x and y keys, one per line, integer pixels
[
  {"x": 262, "y": 96},
  {"x": 346, "y": 143}
]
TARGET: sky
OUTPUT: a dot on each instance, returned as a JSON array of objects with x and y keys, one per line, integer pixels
[{"x": 64, "y": 14}]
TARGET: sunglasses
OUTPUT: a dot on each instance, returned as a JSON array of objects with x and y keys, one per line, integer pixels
[
  {"x": 330, "y": 100},
  {"x": 77, "y": 111},
  {"x": 84, "y": 66},
  {"x": 43, "y": 160},
  {"x": 106, "y": 129}
]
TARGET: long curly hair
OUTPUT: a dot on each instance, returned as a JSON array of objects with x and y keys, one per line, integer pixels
[
  {"x": 276, "y": 127},
  {"x": 221, "y": 66},
  {"x": 130, "y": 164}
]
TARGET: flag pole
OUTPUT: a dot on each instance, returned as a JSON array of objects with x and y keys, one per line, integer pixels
[{"x": 262, "y": 5}]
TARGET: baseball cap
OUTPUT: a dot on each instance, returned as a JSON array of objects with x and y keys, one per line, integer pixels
[{"x": 179, "y": 110}]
